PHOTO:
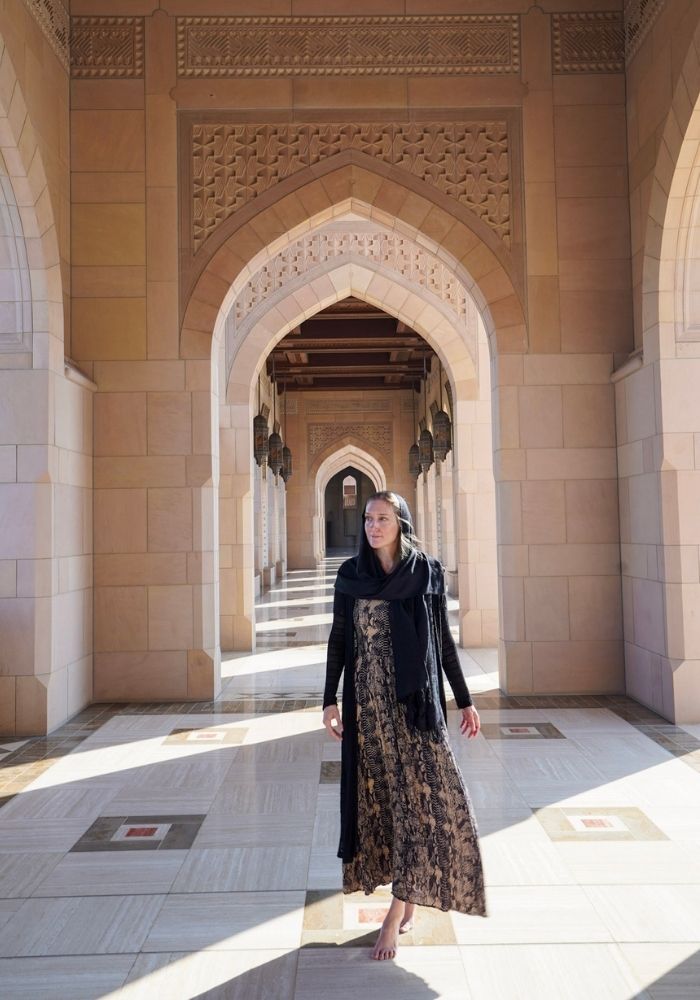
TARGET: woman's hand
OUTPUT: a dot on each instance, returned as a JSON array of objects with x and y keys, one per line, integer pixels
[
  {"x": 333, "y": 722},
  {"x": 470, "y": 724}
]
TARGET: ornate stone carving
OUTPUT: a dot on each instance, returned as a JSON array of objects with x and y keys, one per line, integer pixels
[
  {"x": 390, "y": 249},
  {"x": 639, "y": 18},
  {"x": 340, "y": 404},
  {"x": 106, "y": 47},
  {"x": 591, "y": 42},
  {"x": 234, "y": 163},
  {"x": 54, "y": 21},
  {"x": 323, "y": 435},
  {"x": 348, "y": 46}
]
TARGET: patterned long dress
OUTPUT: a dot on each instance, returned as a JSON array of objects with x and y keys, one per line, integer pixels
[{"x": 415, "y": 823}]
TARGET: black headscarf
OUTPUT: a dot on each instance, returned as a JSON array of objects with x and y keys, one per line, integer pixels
[{"x": 406, "y": 589}]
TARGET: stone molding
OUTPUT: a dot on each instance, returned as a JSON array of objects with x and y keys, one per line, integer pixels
[
  {"x": 320, "y": 436},
  {"x": 588, "y": 42},
  {"x": 233, "y": 163},
  {"x": 399, "y": 253},
  {"x": 107, "y": 47},
  {"x": 54, "y": 21},
  {"x": 639, "y": 18},
  {"x": 349, "y": 46},
  {"x": 340, "y": 404}
]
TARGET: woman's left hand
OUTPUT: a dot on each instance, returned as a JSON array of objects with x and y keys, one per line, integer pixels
[{"x": 470, "y": 724}]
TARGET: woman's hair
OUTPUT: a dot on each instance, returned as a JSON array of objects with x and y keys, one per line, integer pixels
[{"x": 408, "y": 542}]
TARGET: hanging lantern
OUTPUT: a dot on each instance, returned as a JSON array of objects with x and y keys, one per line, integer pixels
[
  {"x": 414, "y": 461},
  {"x": 276, "y": 460},
  {"x": 426, "y": 455},
  {"x": 442, "y": 428},
  {"x": 286, "y": 463},
  {"x": 260, "y": 449}
]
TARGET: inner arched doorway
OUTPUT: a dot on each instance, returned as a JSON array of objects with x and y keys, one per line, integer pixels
[{"x": 343, "y": 501}]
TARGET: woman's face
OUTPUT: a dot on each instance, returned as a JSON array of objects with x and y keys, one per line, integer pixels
[{"x": 382, "y": 526}]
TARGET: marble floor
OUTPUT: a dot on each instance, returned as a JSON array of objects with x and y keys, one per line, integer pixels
[{"x": 189, "y": 850}]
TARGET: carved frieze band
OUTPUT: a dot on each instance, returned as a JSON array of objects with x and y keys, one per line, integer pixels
[
  {"x": 323, "y": 435},
  {"x": 591, "y": 42},
  {"x": 54, "y": 21},
  {"x": 639, "y": 18},
  {"x": 234, "y": 163},
  {"x": 106, "y": 47},
  {"x": 354, "y": 46},
  {"x": 414, "y": 263}
]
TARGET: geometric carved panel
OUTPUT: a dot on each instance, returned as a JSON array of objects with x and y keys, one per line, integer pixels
[
  {"x": 639, "y": 18},
  {"x": 322, "y": 435},
  {"x": 591, "y": 42},
  {"x": 417, "y": 265},
  {"x": 52, "y": 17},
  {"x": 106, "y": 47},
  {"x": 232, "y": 164},
  {"x": 351, "y": 46}
]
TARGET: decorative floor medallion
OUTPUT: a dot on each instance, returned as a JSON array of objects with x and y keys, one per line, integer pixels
[
  {"x": 579, "y": 823},
  {"x": 140, "y": 833}
]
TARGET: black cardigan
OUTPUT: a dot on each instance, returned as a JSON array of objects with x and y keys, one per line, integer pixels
[{"x": 341, "y": 655}]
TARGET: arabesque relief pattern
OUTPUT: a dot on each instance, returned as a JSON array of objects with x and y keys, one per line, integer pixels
[
  {"x": 639, "y": 18},
  {"x": 400, "y": 254},
  {"x": 588, "y": 42},
  {"x": 107, "y": 47},
  {"x": 327, "y": 46},
  {"x": 234, "y": 163},
  {"x": 320, "y": 436},
  {"x": 54, "y": 20}
]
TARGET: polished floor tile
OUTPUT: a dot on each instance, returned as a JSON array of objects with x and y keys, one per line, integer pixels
[{"x": 586, "y": 810}]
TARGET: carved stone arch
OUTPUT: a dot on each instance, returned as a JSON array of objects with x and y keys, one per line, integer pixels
[
  {"x": 24, "y": 197},
  {"x": 352, "y": 452},
  {"x": 495, "y": 286},
  {"x": 674, "y": 214}
]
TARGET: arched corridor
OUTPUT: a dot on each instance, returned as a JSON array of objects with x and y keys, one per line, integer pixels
[{"x": 192, "y": 848}]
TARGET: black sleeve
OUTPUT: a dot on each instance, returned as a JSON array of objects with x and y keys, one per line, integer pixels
[
  {"x": 335, "y": 659},
  {"x": 450, "y": 660}
]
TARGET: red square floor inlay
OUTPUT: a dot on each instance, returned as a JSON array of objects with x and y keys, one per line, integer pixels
[{"x": 141, "y": 831}]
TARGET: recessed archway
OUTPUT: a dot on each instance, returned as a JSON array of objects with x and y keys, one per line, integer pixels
[{"x": 331, "y": 465}]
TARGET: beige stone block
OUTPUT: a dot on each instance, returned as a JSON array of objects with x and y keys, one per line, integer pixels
[
  {"x": 597, "y": 321},
  {"x": 593, "y": 228},
  {"x": 683, "y": 620},
  {"x": 170, "y": 617},
  {"x": 117, "y": 94},
  {"x": 140, "y": 676},
  {"x": 24, "y": 408},
  {"x": 108, "y": 235},
  {"x": 37, "y": 577},
  {"x": 546, "y": 608},
  {"x": 644, "y": 514},
  {"x": 538, "y": 137},
  {"x": 589, "y": 416},
  {"x": 680, "y": 493},
  {"x": 590, "y": 136},
  {"x": 8, "y": 578},
  {"x": 512, "y": 606},
  {"x": 544, "y": 514},
  {"x": 140, "y": 376},
  {"x": 32, "y": 705},
  {"x": 120, "y": 423},
  {"x": 680, "y": 400},
  {"x": 121, "y": 620},
  {"x": 587, "y": 88},
  {"x": 25, "y": 521},
  {"x": 571, "y": 463},
  {"x": 540, "y": 415},
  {"x": 120, "y": 187},
  {"x": 648, "y": 614},
  {"x": 582, "y": 667},
  {"x": 592, "y": 182},
  {"x": 107, "y": 140},
  {"x": 109, "y": 329},
  {"x": 162, "y": 234},
  {"x": 349, "y": 92},
  {"x": 154, "y": 470},
  {"x": 121, "y": 570},
  {"x": 562, "y": 369},
  {"x": 679, "y": 564},
  {"x": 513, "y": 560},
  {"x": 543, "y": 308},
  {"x": 592, "y": 511},
  {"x": 169, "y": 520},
  {"x": 108, "y": 282},
  {"x": 592, "y": 559},
  {"x": 640, "y": 390},
  {"x": 515, "y": 659},
  {"x": 25, "y": 626},
  {"x": 541, "y": 224},
  {"x": 162, "y": 320},
  {"x": 120, "y": 520},
  {"x": 7, "y": 706},
  {"x": 169, "y": 423},
  {"x": 161, "y": 140},
  {"x": 203, "y": 680},
  {"x": 509, "y": 513},
  {"x": 595, "y": 607}
]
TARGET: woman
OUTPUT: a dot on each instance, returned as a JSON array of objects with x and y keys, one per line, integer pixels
[{"x": 405, "y": 814}]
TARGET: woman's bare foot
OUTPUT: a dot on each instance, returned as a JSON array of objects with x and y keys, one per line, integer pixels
[
  {"x": 406, "y": 924},
  {"x": 388, "y": 940}
]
